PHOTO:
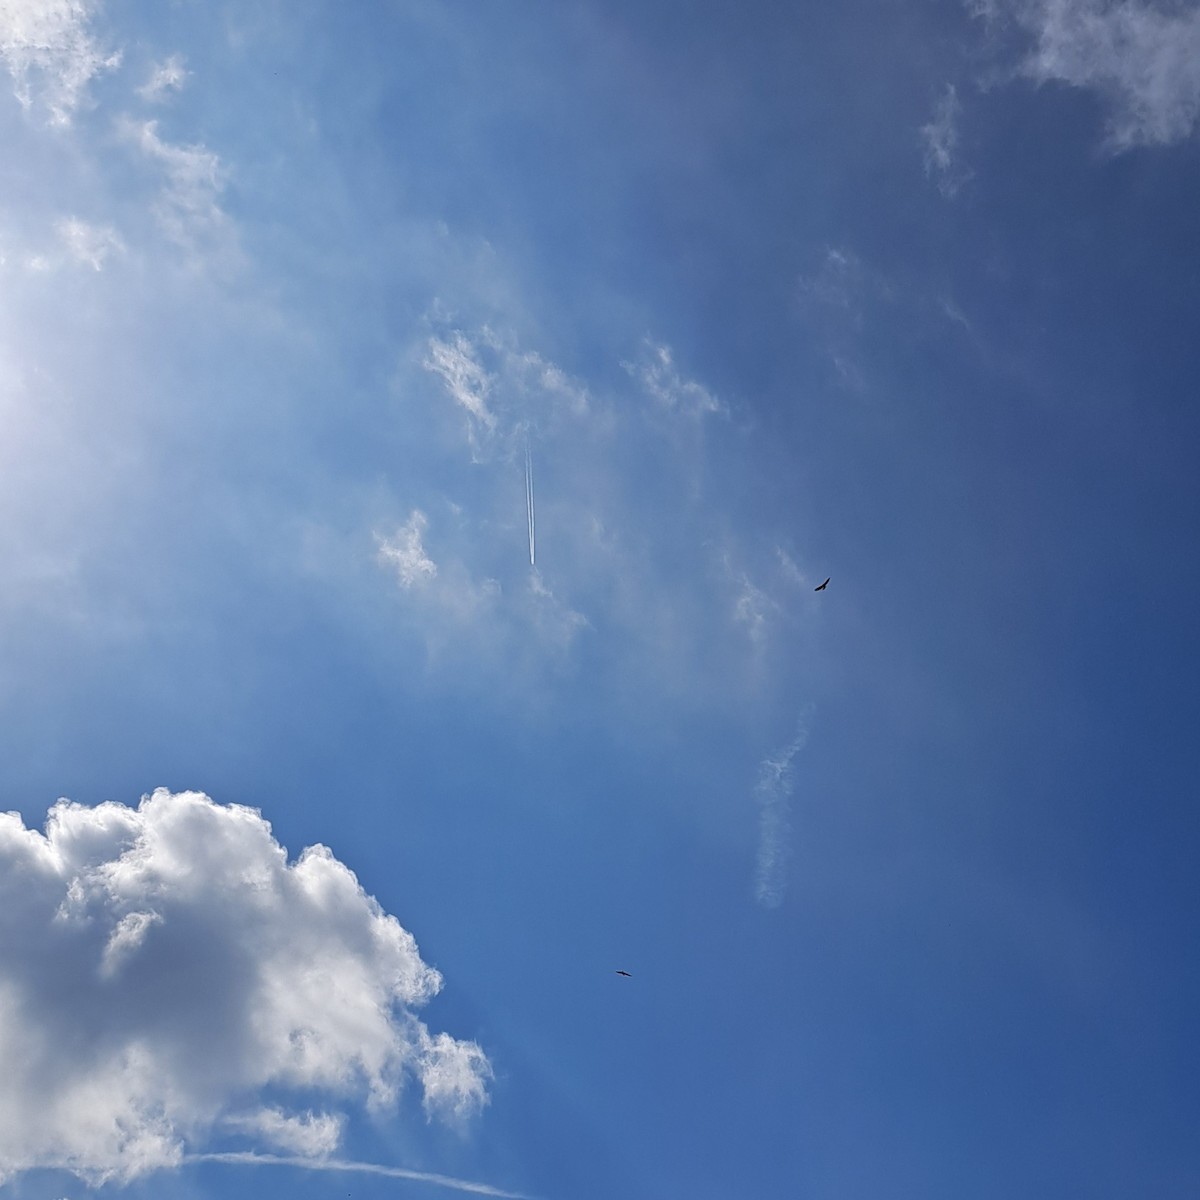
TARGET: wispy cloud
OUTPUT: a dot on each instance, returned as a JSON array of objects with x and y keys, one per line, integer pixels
[
  {"x": 773, "y": 793},
  {"x": 655, "y": 370},
  {"x": 308, "y": 1135},
  {"x": 1143, "y": 59},
  {"x": 940, "y": 138},
  {"x": 167, "y": 78},
  {"x": 455, "y": 359},
  {"x": 405, "y": 552},
  {"x": 89, "y": 245},
  {"x": 188, "y": 207},
  {"x": 51, "y": 54},
  {"x": 197, "y": 965},
  {"x": 246, "y": 1159}
]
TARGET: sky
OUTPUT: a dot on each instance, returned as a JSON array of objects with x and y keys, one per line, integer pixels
[{"x": 423, "y": 428}]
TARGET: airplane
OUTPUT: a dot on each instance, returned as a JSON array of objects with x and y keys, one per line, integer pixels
[{"x": 821, "y": 586}]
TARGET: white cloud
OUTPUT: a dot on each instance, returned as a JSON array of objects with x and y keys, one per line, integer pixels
[
  {"x": 457, "y": 363},
  {"x": 246, "y": 1159},
  {"x": 940, "y": 137},
  {"x": 1142, "y": 58},
  {"x": 159, "y": 966},
  {"x": 506, "y": 391},
  {"x": 656, "y": 372},
  {"x": 752, "y": 609},
  {"x": 167, "y": 77},
  {"x": 88, "y": 244},
  {"x": 557, "y": 621},
  {"x": 787, "y": 564},
  {"x": 405, "y": 553},
  {"x": 773, "y": 794},
  {"x": 307, "y": 1134},
  {"x": 50, "y": 53},
  {"x": 188, "y": 207}
]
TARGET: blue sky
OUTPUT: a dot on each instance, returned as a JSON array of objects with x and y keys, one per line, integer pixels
[{"x": 296, "y": 304}]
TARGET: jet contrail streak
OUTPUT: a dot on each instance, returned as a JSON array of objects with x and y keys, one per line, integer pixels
[
  {"x": 246, "y": 1158},
  {"x": 529, "y": 512}
]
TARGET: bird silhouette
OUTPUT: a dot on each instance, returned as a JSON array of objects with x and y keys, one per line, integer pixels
[
  {"x": 625, "y": 973},
  {"x": 820, "y": 587}
]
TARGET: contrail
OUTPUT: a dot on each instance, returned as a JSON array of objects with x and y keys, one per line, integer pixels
[
  {"x": 529, "y": 512},
  {"x": 247, "y": 1158}
]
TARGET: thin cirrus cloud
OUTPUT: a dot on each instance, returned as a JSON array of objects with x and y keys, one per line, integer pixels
[
  {"x": 165, "y": 79},
  {"x": 188, "y": 206},
  {"x": 606, "y": 576},
  {"x": 1143, "y": 59},
  {"x": 164, "y": 964},
  {"x": 772, "y": 794},
  {"x": 51, "y": 54},
  {"x": 87, "y": 244},
  {"x": 940, "y": 138}
]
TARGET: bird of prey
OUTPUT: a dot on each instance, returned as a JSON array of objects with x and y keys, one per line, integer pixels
[
  {"x": 821, "y": 586},
  {"x": 625, "y": 973}
]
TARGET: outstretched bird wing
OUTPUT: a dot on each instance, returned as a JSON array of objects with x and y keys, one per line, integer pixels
[
  {"x": 821, "y": 586},
  {"x": 625, "y": 973}
]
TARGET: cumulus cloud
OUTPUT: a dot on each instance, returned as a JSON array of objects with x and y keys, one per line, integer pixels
[
  {"x": 167, "y": 77},
  {"x": 51, "y": 54},
  {"x": 772, "y": 793},
  {"x": 161, "y": 966},
  {"x": 1142, "y": 58}
]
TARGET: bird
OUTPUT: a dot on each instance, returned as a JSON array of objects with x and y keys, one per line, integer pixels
[
  {"x": 625, "y": 973},
  {"x": 821, "y": 586}
]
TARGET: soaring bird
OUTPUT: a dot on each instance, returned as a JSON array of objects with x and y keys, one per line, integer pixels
[
  {"x": 625, "y": 973},
  {"x": 821, "y": 586}
]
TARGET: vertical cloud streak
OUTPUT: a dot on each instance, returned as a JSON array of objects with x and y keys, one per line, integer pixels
[
  {"x": 529, "y": 506},
  {"x": 773, "y": 794}
]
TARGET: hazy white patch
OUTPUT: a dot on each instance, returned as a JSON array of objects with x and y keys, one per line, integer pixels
[
  {"x": 247, "y": 1159},
  {"x": 656, "y": 372},
  {"x": 837, "y": 283},
  {"x": 405, "y": 552},
  {"x": 1144, "y": 59},
  {"x": 167, "y": 78},
  {"x": 955, "y": 314},
  {"x": 555, "y": 619},
  {"x": 753, "y": 608},
  {"x": 89, "y": 245},
  {"x": 940, "y": 138},
  {"x": 159, "y": 966},
  {"x": 309, "y": 1134},
  {"x": 527, "y": 372},
  {"x": 49, "y": 50},
  {"x": 835, "y": 300},
  {"x": 773, "y": 794},
  {"x": 187, "y": 208},
  {"x": 787, "y": 565}
]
